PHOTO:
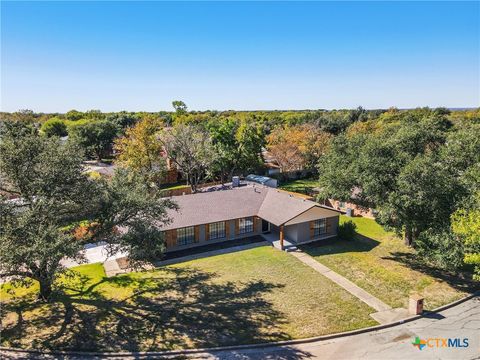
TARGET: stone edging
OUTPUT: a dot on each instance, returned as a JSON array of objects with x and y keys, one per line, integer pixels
[{"x": 240, "y": 347}]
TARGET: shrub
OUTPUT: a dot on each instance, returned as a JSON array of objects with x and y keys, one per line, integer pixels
[{"x": 347, "y": 230}]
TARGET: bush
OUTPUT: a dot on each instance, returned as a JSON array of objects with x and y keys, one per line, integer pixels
[
  {"x": 347, "y": 230},
  {"x": 54, "y": 127},
  {"x": 441, "y": 248}
]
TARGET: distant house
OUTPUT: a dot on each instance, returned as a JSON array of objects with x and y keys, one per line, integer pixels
[
  {"x": 210, "y": 217},
  {"x": 351, "y": 208},
  {"x": 262, "y": 180}
]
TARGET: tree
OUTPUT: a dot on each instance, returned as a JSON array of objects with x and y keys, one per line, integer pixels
[
  {"x": 393, "y": 171},
  {"x": 238, "y": 145},
  {"x": 130, "y": 218},
  {"x": 192, "y": 152},
  {"x": 54, "y": 197},
  {"x": 425, "y": 197},
  {"x": 141, "y": 151},
  {"x": 123, "y": 120},
  {"x": 54, "y": 127},
  {"x": 297, "y": 147},
  {"x": 52, "y": 192},
  {"x": 95, "y": 137},
  {"x": 74, "y": 115},
  {"x": 466, "y": 225},
  {"x": 179, "y": 106}
]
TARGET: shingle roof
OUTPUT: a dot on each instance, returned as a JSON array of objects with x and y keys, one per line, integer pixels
[{"x": 270, "y": 204}]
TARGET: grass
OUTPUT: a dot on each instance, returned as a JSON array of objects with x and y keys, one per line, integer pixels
[
  {"x": 380, "y": 263},
  {"x": 304, "y": 186},
  {"x": 252, "y": 296}
]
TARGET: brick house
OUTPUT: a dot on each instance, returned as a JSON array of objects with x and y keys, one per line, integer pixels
[{"x": 219, "y": 216}]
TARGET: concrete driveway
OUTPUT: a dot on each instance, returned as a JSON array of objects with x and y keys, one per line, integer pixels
[{"x": 94, "y": 253}]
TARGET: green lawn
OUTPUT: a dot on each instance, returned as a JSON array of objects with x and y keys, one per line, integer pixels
[
  {"x": 304, "y": 186},
  {"x": 251, "y": 296},
  {"x": 381, "y": 264}
]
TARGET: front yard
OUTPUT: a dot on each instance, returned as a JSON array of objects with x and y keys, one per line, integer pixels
[
  {"x": 380, "y": 263},
  {"x": 252, "y": 296}
]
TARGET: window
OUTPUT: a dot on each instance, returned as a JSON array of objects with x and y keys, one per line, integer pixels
[
  {"x": 245, "y": 225},
  {"x": 185, "y": 235},
  {"x": 319, "y": 227},
  {"x": 216, "y": 230}
]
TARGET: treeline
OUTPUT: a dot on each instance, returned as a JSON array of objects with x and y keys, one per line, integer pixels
[{"x": 420, "y": 170}]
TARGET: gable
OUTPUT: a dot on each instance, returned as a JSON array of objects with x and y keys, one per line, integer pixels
[{"x": 314, "y": 213}]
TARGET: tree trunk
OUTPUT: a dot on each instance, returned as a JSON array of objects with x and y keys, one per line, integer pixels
[
  {"x": 45, "y": 289},
  {"x": 408, "y": 236}
]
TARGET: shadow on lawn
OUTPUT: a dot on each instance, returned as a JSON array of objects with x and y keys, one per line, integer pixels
[
  {"x": 178, "y": 308},
  {"x": 338, "y": 246},
  {"x": 460, "y": 280}
]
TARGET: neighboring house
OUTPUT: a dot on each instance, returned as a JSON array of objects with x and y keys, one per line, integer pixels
[
  {"x": 351, "y": 209},
  {"x": 219, "y": 216},
  {"x": 270, "y": 163},
  {"x": 107, "y": 170}
]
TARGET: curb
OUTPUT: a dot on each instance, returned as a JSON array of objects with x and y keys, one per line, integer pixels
[{"x": 240, "y": 347}]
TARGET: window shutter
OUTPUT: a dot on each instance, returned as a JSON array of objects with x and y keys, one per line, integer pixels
[
  {"x": 237, "y": 230},
  {"x": 328, "y": 225},
  {"x": 197, "y": 233},
  {"x": 170, "y": 238},
  {"x": 312, "y": 229},
  {"x": 207, "y": 232},
  {"x": 227, "y": 229}
]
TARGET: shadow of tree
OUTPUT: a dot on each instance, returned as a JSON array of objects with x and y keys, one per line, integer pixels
[
  {"x": 175, "y": 308},
  {"x": 459, "y": 280}
]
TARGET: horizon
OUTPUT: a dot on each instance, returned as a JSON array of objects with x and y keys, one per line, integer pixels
[
  {"x": 273, "y": 56},
  {"x": 242, "y": 110}
]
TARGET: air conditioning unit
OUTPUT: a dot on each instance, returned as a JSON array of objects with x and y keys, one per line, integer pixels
[{"x": 235, "y": 181}]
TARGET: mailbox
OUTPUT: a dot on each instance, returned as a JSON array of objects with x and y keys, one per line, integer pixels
[{"x": 415, "y": 305}]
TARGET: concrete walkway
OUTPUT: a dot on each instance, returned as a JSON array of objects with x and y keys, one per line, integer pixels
[{"x": 353, "y": 289}]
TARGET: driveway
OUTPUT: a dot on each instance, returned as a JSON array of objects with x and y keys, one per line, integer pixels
[{"x": 94, "y": 253}]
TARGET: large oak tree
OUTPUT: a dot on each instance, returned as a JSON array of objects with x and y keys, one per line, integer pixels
[{"x": 53, "y": 197}]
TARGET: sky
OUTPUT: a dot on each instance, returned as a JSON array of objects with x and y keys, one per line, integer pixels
[{"x": 140, "y": 56}]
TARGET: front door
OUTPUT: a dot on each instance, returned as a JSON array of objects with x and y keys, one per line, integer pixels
[{"x": 265, "y": 226}]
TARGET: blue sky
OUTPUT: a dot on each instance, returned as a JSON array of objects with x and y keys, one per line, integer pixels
[{"x": 57, "y": 56}]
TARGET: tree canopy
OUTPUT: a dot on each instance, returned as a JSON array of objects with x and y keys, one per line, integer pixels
[{"x": 54, "y": 197}]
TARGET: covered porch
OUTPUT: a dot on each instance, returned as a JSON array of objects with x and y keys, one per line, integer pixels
[{"x": 287, "y": 237}]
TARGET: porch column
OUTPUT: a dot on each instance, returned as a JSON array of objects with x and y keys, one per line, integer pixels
[{"x": 281, "y": 237}]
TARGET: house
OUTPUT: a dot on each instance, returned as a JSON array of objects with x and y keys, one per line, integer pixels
[
  {"x": 351, "y": 208},
  {"x": 240, "y": 212}
]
